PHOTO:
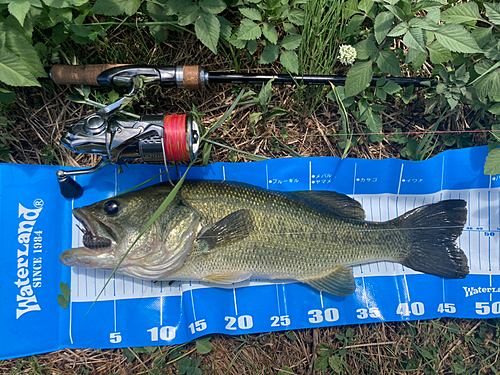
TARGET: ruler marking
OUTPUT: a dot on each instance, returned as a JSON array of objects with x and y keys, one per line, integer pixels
[
  {"x": 161, "y": 311},
  {"x": 442, "y": 173},
  {"x": 310, "y": 175},
  {"x": 407, "y": 289},
  {"x": 267, "y": 177},
  {"x": 355, "y": 172},
  {"x": 489, "y": 227},
  {"x": 192, "y": 303},
  {"x": 235, "y": 303},
  {"x": 71, "y": 319},
  {"x": 223, "y": 173},
  {"x": 400, "y": 178},
  {"x": 278, "y": 299},
  {"x": 321, "y": 298},
  {"x": 114, "y": 312}
]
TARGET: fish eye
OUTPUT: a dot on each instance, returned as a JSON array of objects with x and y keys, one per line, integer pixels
[{"x": 111, "y": 207}]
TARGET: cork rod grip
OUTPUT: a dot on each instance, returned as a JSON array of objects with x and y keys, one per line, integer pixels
[{"x": 79, "y": 74}]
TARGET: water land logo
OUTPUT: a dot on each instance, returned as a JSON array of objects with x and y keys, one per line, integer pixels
[
  {"x": 472, "y": 291},
  {"x": 26, "y": 299}
]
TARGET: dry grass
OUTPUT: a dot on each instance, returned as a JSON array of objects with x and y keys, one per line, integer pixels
[{"x": 438, "y": 346}]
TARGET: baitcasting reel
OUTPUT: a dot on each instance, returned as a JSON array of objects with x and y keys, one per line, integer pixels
[{"x": 152, "y": 138}]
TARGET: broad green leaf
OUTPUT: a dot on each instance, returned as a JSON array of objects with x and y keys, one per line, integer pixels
[
  {"x": 63, "y": 302},
  {"x": 19, "y": 9},
  {"x": 270, "y": 33},
  {"x": 495, "y": 109},
  {"x": 428, "y": 5},
  {"x": 412, "y": 55},
  {"x": 488, "y": 85},
  {"x": 462, "y": 13},
  {"x": 64, "y": 15},
  {"x": 366, "y": 5},
  {"x": 7, "y": 96},
  {"x": 358, "y": 78},
  {"x": 484, "y": 67},
  {"x": 456, "y": 38},
  {"x": 491, "y": 49},
  {"x": 207, "y": 28},
  {"x": 383, "y": 23},
  {"x": 269, "y": 55},
  {"x": 249, "y": 30},
  {"x": 24, "y": 50},
  {"x": 58, "y": 3},
  {"x": 13, "y": 70},
  {"x": 422, "y": 23},
  {"x": 238, "y": 43},
  {"x": 492, "y": 165},
  {"x": 438, "y": 54},
  {"x": 493, "y": 12},
  {"x": 225, "y": 27},
  {"x": 290, "y": 61},
  {"x": 495, "y": 132},
  {"x": 414, "y": 38},
  {"x": 203, "y": 345},
  {"x": 213, "y": 6},
  {"x": 297, "y": 17},
  {"x": 419, "y": 60},
  {"x": 188, "y": 15},
  {"x": 265, "y": 94},
  {"x": 65, "y": 290},
  {"x": 291, "y": 42},
  {"x": 388, "y": 62},
  {"x": 116, "y": 7},
  {"x": 252, "y": 46},
  {"x": 396, "y": 11},
  {"x": 175, "y": 6},
  {"x": 251, "y": 13},
  {"x": 482, "y": 35},
  {"x": 391, "y": 87},
  {"x": 365, "y": 49},
  {"x": 354, "y": 24},
  {"x": 350, "y": 8},
  {"x": 289, "y": 28},
  {"x": 398, "y": 30},
  {"x": 2, "y": 35},
  {"x": 434, "y": 15}
]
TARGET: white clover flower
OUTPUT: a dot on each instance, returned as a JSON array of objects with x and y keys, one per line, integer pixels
[{"x": 347, "y": 54}]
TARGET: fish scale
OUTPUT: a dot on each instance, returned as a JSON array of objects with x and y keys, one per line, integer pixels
[{"x": 231, "y": 232}]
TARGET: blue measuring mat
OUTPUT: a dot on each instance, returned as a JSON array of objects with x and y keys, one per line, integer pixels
[{"x": 37, "y": 225}]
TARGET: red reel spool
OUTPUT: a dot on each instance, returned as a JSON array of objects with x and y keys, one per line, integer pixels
[{"x": 181, "y": 137}]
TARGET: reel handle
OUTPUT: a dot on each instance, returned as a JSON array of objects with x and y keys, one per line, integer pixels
[{"x": 79, "y": 74}]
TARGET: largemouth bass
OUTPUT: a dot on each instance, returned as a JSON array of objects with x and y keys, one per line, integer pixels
[{"x": 224, "y": 232}]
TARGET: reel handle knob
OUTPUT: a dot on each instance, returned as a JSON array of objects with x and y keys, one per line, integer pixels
[{"x": 69, "y": 188}]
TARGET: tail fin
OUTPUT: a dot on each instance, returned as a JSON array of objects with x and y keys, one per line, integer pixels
[{"x": 433, "y": 249}]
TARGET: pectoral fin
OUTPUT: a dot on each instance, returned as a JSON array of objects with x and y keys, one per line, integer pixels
[
  {"x": 228, "y": 278},
  {"x": 231, "y": 229},
  {"x": 340, "y": 282}
]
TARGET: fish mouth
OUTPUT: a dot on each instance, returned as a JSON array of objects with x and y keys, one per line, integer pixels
[
  {"x": 99, "y": 241},
  {"x": 91, "y": 239}
]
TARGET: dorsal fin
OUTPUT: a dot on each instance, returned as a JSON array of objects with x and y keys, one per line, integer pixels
[{"x": 333, "y": 203}]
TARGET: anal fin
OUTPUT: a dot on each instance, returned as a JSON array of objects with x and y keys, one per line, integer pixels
[
  {"x": 339, "y": 282},
  {"x": 228, "y": 278}
]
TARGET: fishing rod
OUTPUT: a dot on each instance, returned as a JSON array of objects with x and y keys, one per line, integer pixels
[
  {"x": 154, "y": 138},
  {"x": 193, "y": 77}
]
